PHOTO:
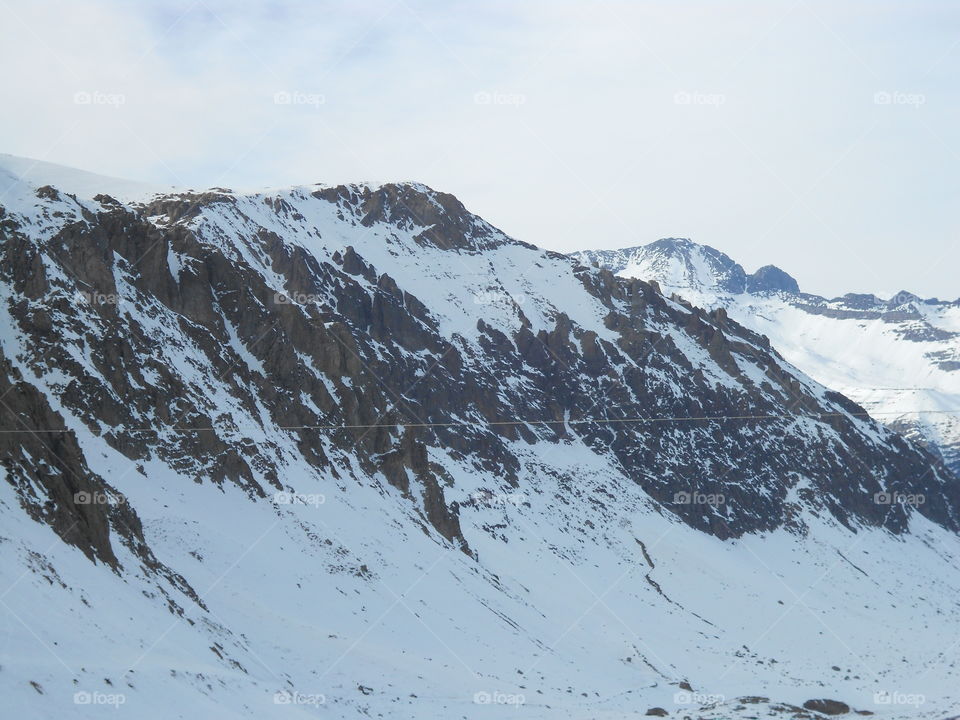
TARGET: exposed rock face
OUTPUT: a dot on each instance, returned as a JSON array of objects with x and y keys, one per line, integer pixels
[
  {"x": 43, "y": 462},
  {"x": 827, "y": 707},
  {"x": 770, "y": 278},
  {"x": 64, "y": 494},
  {"x": 195, "y": 310}
]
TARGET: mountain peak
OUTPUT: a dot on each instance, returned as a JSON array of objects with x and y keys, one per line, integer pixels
[
  {"x": 677, "y": 263},
  {"x": 441, "y": 219},
  {"x": 676, "y": 243},
  {"x": 685, "y": 266},
  {"x": 904, "y": 297},
  {"x": 770, "y": 278}
]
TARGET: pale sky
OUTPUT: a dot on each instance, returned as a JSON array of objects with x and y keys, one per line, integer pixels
[{"x": 822, "y": 137}]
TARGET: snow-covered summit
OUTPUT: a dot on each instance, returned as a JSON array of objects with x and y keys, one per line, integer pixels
[
  {"x": 898, "y": 356},
  {"x": 685, "y": 266}
]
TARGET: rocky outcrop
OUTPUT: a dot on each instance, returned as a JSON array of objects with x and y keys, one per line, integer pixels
[{"x": 827, "y": 707}]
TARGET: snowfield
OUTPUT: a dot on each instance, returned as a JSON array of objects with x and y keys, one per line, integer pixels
[{"x": 575, "y": 627}]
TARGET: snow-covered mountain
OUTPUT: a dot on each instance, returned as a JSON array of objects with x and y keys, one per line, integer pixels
[
  {"x": 350, "y": 451},
  {"x": 899, "y": 357}
]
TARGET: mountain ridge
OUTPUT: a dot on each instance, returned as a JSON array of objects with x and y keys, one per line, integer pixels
[
  {"x": 233, "y": 409},
  {"x": 904, "y": 336},
  {"x": 621, "y": 261}
]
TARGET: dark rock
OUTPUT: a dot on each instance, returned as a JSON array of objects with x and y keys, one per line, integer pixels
[
  {"x": 47, "y": 193},
  {"x": 827, "y": 707},
  {"x": 770, "y": 278}
]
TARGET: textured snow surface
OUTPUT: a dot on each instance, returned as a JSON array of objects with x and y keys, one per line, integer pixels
[{"x": 565, "y": 618}]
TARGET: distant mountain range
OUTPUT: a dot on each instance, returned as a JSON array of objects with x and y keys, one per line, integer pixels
[{"x": 897, "y": 356}]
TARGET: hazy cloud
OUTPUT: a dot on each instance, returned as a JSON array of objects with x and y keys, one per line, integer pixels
[{"x": 821, "y": 137}]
